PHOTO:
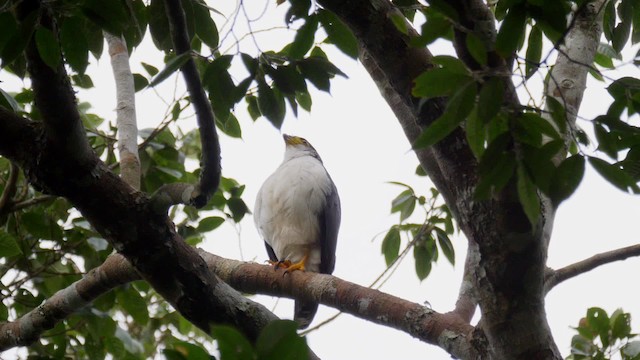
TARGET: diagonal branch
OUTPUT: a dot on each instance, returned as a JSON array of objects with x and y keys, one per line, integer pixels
[
  {"x": 554, "y": 277},
  {"x": 443, "y": 330},
  {"x": 210, "y": 162}
]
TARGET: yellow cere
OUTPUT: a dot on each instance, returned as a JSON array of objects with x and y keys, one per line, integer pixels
[{"x": 295, "y": 140}]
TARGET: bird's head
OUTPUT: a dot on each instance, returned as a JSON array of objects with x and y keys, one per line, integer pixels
[{"x": 297, "y": 146}]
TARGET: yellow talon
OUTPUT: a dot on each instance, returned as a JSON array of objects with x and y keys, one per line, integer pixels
[
  {"x": 279, "y": 264},
  {"x": 297, "y": 266}
]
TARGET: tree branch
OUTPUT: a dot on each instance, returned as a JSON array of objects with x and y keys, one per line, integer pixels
[
  {"x": 55, "y": 99},
  {"x": 6, "y": 198},
  {"x": 17, "y": 136},
  {"x": 554, "y": 277},
  {"x": 567, "y": 80},
  {"x": 210, "y": 162},
  {"x": 126, "y": 111},
  {"x": 443, "y": 330}
]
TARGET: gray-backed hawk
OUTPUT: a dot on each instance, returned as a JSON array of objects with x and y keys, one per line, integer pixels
[{"x": 297, "y": 213}]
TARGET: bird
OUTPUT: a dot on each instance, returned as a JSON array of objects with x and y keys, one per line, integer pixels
[{"x": 297, "y": 213}]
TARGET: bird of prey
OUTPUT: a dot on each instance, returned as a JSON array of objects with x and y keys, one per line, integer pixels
[{"x": 297, "y": 213}]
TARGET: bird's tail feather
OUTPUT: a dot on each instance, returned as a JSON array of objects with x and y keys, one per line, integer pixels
[{"x": 304, "y": 313}]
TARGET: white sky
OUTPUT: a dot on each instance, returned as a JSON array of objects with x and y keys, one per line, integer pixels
[{"x": 363, "y": 148}]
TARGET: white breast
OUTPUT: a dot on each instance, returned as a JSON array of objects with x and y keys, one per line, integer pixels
[{"x": 288, "y": 207}]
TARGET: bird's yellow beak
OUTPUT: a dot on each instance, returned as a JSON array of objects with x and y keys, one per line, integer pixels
[{"x": 292, "y": 140}]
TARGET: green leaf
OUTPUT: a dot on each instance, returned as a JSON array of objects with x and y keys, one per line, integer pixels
[
  {"x": 252, "y": 107},
  {"x": 404, "y": 203},
  {"x": 8, "y": 245},
  {"x": 74, "y": 43},
  {"x": 222, "y": 90},
  {"x": 48, "y": 47},
  {"x": 598, "y": 320},
  {"x": 230, "y": 126},
  {"x": 457, "y": 110},
  {"x": 528, "y": 195},
  {"x": 451, "y": 64},
  {"x": 304, "y": 99},
  {"x": 139, "y": 82},
  {"x": 475, "y": 131},
  {"x": 205, "y": 27},
  {"x": 436, "y": 27},
  {"x": 476, "y": 48},
  {"x": 270, "y": 104},
  {"x": 133, "y": 304},
  {"x": 7, "y": 101},
  {"x": 109, "y": 15},
  {"x": 231, "y": 343},
  {"x": 511, "y": 30},
  {"x": 534, "y": 51},
  {"x": 399, "y": 21},
  {"x": 558, "y": 113},
  {"x": 304, "y": 38},
  {"x": 338, "y": 33},
  {"x": 172, "y": 66},
  {"x": 422, "y": 258},
  {"x": 439, "y": 82},
  {"x": 446, "y": 246},
  {"x": 151, "y": 70},
  {"x": 279, "y": 340},
  {"x": 620, "y": 323},
  {"x": 535, "y": 124},
  {"x": 490, "y": 99},
  {"x": 613, "y": 174},
  {"x": 496, "y": 167},
  {"x": 319, "y": 70},
  {"x": 209, "y": 223},
  {"x": 391, "y": 245},
  {"x": 238, "y": 208},
  {"x": 83, "y": 80}
]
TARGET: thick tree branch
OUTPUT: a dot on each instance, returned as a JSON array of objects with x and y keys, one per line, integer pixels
[
  {"x": 17, "y": 135},
  {"x": 55, "y": 99},
  {"x": 126, "y": 111},
  {"x": 6, "y": 198},
  {"x": 210, "y": 162},
  {"x": 443, "y": 330},
  {"x": 554, "y": 277}
]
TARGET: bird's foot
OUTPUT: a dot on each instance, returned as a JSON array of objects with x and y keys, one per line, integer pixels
[
  {"x": 297, "y": 266},
  {"x": 280, "y": 264}
]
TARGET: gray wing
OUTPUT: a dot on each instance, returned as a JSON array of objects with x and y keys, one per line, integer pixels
[
  {"x": 330, "y": 224},
  {"x": 270, "y": 252}
]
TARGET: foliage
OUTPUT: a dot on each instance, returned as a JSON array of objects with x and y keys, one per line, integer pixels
[
  {"x": 600, "y": 337},
  {"x": 494, "y": 130},
  {"x": 428, "y": 239}
]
